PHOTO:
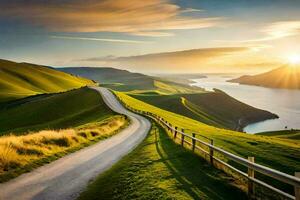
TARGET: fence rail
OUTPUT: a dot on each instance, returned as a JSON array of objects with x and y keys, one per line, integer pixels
[{"x": 249, "y": 163}]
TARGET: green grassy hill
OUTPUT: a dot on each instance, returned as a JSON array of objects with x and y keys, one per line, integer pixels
[
  {"x": 213, "y": 108},
  {"x": 284, "y": 134},
  {"x": 277, "y": 153},
  {"x": 122, "y": 80},
  {"x": 53, "y": 111},
  {"x": 18, "y": 80},
  {"x": 39, "y": 129}
]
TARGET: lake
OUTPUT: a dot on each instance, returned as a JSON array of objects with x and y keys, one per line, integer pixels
[{"x": 283, "y": 102}]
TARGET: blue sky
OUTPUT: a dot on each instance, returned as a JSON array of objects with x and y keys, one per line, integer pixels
[{"x": 74, "y": 33}]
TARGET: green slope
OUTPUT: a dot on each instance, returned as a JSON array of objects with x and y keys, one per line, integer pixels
[
  {"x": 53, "y": 111},
  {"x": 213, "y": 108},
  {"x": 285, "y": 134},
  {"x": 278, "y": 153},
  {"x": 18, "y": 80},
  {"x": 160, "y": 169}
]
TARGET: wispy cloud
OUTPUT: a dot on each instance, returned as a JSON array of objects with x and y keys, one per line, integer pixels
[
  {"x": 273, "y": 31},
  {"x": 136, "y": 17},
  {"x": 100, "y": 39},
  {"x": 188, "y": 10},
  {"x": 281, "y": 29},
  {"x": 153, "y": 34}
]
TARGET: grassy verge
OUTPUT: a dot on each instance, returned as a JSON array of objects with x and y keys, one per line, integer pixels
[
  {"x": 277, "y": 153},
  {"x": 160, "y": 169},
  {"x": 19, "y": 154}
]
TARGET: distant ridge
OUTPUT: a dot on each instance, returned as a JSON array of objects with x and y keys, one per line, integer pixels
[
  {"x": 106, "y": 75},
  {"x": 18, "y": 80},
  {"x": 123, "y": 80},
  {"x": 283, "y": 77}
]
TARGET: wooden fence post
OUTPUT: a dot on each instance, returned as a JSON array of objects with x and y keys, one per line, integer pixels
[
  {"x": 182, "y": 137},
  {"x": 169, "y": 127},
  {"x": 194, "y": 142},
  {"x": 250, "y": 183},
  {"x": 175, "y": 133},
  {"x": 211, "y": 152},
  {"x": 297, "y": 189}
]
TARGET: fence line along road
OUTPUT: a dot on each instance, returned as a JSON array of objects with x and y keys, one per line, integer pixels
[{"x": 250, "y": 164}]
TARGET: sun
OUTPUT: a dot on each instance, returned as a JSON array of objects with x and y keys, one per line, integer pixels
[{"x": 294, "y": 59}]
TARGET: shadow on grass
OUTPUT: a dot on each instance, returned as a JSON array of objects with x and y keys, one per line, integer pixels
[
  {"x": 196, "y": 177},
  {"x": 160, "y": 169}
]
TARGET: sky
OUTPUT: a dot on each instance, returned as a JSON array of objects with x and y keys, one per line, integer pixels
[{"x": 153, "y": 36}]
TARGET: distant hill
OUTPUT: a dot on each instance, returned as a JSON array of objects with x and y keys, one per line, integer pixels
[
  {"x": 123, "y": 80},
  {"x": 283, "y": 77},
  {"x": 18, "y": 80}
]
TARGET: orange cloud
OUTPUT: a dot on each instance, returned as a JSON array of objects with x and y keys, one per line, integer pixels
[
  {"x": 223, "y": 59},
  {"x": 150, "y": 17}
]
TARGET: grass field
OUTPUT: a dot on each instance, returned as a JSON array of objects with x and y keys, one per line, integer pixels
[
  {"x": 53, "y": 111},
  {"x": 18, "y": 80},
  {"x": 213, "y": 108},
  {"x": 160, "y": 169},
  {"x": 19, "y": 154},
  {"x": 284, "y": 134},
  {"x": 277, "y": 153}
]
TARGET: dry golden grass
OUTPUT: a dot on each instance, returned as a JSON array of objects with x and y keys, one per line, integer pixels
[{"x": 18, "y": 151}]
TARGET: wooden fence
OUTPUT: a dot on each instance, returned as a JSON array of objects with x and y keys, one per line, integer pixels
[{"x": 252, "y": 167}]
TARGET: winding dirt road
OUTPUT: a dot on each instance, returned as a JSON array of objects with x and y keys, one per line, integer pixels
[{"x": 65, "y": 178}]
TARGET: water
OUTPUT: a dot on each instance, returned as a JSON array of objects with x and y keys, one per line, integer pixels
[{"x": 283, "y": 102}]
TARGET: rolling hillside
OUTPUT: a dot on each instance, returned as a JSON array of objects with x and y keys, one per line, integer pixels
[
  {"x": 277, "y": 153},
  {"x": 18, "y": 80},
  {"x": 122, "y": 80},
  {"x": 45, "y": 111},
  {"x": 283, "y": 77},
  {"x": 39, "y": 129},
  {"x": 115, "y": 78},
  {"x": 213, "y": 108}
]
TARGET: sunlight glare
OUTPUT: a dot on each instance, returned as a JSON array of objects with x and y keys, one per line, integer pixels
[{"x": 294, "y": 59}]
